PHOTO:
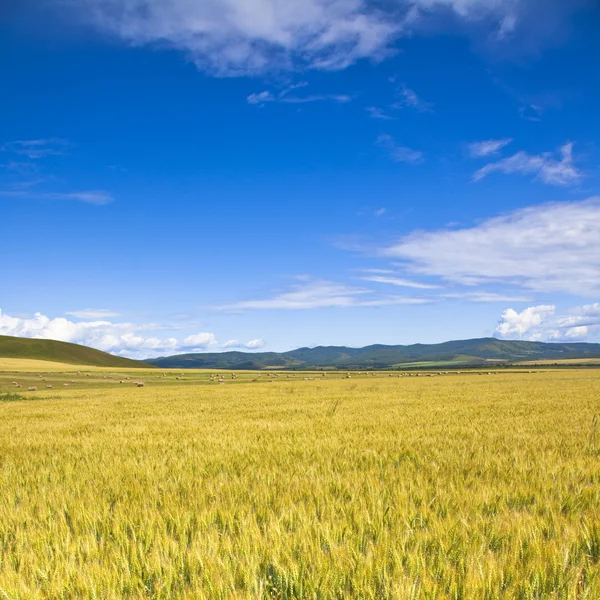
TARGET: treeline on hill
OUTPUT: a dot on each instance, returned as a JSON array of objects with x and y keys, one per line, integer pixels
[{"x": 458, "y": 354}]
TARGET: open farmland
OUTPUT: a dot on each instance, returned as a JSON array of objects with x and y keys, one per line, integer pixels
[
  {"x": 564, "y": 361},
  {"x": 457, "y": 486}
]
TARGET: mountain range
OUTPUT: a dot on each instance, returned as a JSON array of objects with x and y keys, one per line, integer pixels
[{"x": 455, "y": 353}]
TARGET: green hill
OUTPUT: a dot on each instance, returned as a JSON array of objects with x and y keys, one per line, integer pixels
[
  {"x": 52, "y": 350},
  {"x": 461, "y": 353}
]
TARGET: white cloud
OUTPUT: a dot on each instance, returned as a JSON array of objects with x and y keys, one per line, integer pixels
[
  {"x": 200, "y": 340},
  {"x": 540, "y": 323},
  {"x": 547, "y": 248},
  {"x": 96, "y": 197},
  {"x": 545, "y": 167},
  {"x": 124, "y": 339},
  {"x": 254, "y": 344},
  {"x": 514, "y": 324},
  {"x": 380, "y": 212},
  {"x": 487, "y": 147},
  {"x": 579, "y": 334},
  {"x": 399, "y": 153},
  {"x": 104, "y": 335},
  {"x": 35, "y": 149},
  {"x": 93, "y": 313},
  {"x": 230, "y": 37},
  {"x": 322, "y": 294},
  {"x": 251, "y": 345}
]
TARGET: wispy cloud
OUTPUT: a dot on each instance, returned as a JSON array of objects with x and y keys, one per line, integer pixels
[
  {"x": 400, "y": 282},
  {"x": 287, "y": 97},
  {"x": 399, "y": 153},
  {"x": 486, "y": 296},
  {"x": 546, "y": 248},
  {"x": 28, "y": 169},
  {"x": 322, "y": 294},
  {"x": 531, "y": 107},
  {"x": 341, "y": 98},
  {"x": 378, "y": 271},
  {"x": 487, "y": 147},
  {"x": 546, "y": 167},
  {"x": 93, "y": 313},
  {"x": 531, "y": 112},
  {"x": 35, "y": 149},
  {"x": 378, "y": 113},
  {"x": 96, "y": 197},
  {"x": 31, "y": 172},
  {"x": 260, "y": 98},
  {"x": 405, "y": 97},
  {"x": 409, "y": 98}
]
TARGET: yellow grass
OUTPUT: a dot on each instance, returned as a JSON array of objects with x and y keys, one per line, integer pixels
[
  {"x": 29, "y": 365},
  {"x": 452, "y": 487},
  {"x": 42, "y": 366}
]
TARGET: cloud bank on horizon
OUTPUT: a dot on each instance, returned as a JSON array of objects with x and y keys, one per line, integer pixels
[
  {"x": 121, "y": 338},
  {"x": 535, "y": 324}
]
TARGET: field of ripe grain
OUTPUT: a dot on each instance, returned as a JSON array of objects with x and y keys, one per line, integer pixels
[
  {"x": 563, "y": 361},
  {"x": 452, "y": 487}
]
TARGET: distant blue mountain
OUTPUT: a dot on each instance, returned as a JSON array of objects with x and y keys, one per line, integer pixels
[{"x": 455, "y": 353}]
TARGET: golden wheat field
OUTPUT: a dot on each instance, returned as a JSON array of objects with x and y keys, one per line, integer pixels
[{"x": 374, "y": 487}]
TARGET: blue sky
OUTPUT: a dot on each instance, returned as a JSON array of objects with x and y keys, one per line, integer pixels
[{"x": 268, "y": 174}]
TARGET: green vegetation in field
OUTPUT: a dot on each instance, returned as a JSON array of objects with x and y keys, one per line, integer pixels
[
  {"x": 451, "y": 487},
  {"x": 460, "y": 360},
  {"x": 8, "y": 397},
  {"x": 564, "y": 361}
]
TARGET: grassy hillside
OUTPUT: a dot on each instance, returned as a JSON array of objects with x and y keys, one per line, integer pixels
[
  {"x": 62, "y": 352},
  {"x": 462, "y": 352}
]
